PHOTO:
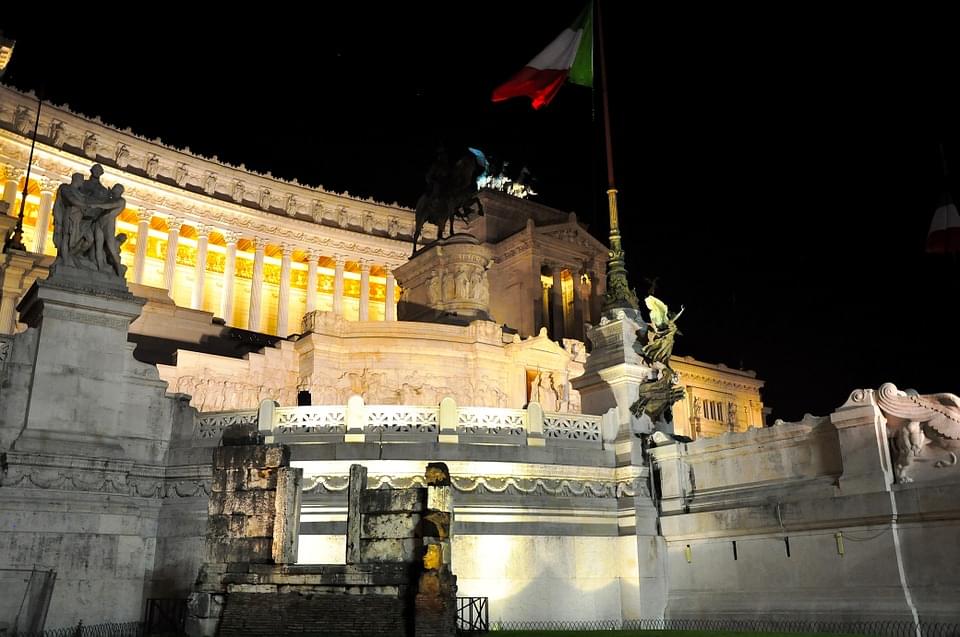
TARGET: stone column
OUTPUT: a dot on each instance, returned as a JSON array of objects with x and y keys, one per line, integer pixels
[
  {"x": 556, "y": 300},
  {"x": 229, "y": 270},
  {"x": 578, "y": 318},
  {"x": 47, "y": 188},
  {"x": 364, "y": 290},
  {"x": 143, "y": 234},
  {"x": 11, "y": 180},
  {"x": 256, "y": 285},
  {"x": 312, "y": 257},
  {"x": 283, "y": 304},
  {"x": 170, "y": 266},
  {"x": 390, "y": 302},
  {"x": 537, "y": 296},
  {"x": 338, "y": 285},
  {"x": 200, "y": 268},
  {"x": 15, "y": 266}
]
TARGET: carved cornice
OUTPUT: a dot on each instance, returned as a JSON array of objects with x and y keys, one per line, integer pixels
[{"x": 194, "y": 183}]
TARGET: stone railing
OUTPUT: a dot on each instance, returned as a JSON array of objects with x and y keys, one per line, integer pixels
[
  {"x": 446, "y": 423},
  {"x": 210, "y": 425}
]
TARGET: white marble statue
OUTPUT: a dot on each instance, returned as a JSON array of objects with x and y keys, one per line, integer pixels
[{"x": 84, "y": 224}]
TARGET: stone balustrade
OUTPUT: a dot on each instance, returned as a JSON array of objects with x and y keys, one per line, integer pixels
[{"x": 356, "y": 422}]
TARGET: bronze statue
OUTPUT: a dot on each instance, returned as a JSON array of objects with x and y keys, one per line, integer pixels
[
  {"x": 657, "y": 395},
  {"x": 451, "y": 192}
]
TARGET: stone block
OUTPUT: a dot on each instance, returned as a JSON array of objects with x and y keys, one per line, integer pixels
[
  {"x": 390, "y": 525},
  {"x": 243, "y": 502},
  {"x": 440, "y": 499},
  {"x": 286, "y": 520},
  {"x": 393, "y": 500},
  {"x": 252, "y": 588},
  {"x": 277, "y": 456},
  {"x": 257, "y": 550},
  {"x": 394, "y": 550}
]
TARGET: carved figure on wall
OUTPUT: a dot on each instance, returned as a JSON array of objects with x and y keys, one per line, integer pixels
[
  {"x": 924, "y": 431},
  {"x": 122, "y": 156},
  {"x": 393, "y": 227},
  {"x": 181, "y": 174},
  {"x": 291, "y": 207},
  {"x": 544, "y": 390},
  {"x": 451, "y": 191},
  {"x": 483, "y": 295},
  {"x": 732, "y": 416},
  {"x": 84, "y": 224},
  {"x": 90, "y": 144},
  {"x": 22, "y": 120},
  {"x": 263, "y": 200},
  {"x": 57, "y": 133},
  {"x": 152, "y": 167},
  {"x": 434, "y": 289},
  {"x": 210, "y": 183},
  {"x": 237, "y": 192},
  {"x": 462, "y": 284},
  {"x": 698, "y": 407}
]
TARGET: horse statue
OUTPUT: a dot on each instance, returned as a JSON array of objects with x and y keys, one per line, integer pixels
[{"x": 451, "y": 193}]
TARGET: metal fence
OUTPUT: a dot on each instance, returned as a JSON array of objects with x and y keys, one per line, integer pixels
[
  {"x": 129, "y": 629},
  {"x": 165, "y": 615},
  {"x": 473, "y": 615},
  {"x": 875, "y": 628}
]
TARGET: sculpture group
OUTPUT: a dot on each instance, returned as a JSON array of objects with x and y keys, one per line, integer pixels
[{"x": 84, "y": 224}]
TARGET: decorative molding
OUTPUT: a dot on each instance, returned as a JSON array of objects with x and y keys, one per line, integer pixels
[
  {"x": 492, "y": 485},
  {"x": 211, "y": 426},
  {"x": 95, "y": 475}
]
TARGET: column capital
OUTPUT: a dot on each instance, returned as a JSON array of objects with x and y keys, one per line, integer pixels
[
  {"x": 287, "y": 249},
  {"x": 174, "y": 224},
  {"x": 12, "y": 173},
  {"x": 144, "y": 215},
  {"x": 259, "y": 244},
  {"x": 388, "y": 270},
  {"x": 230, "y": 237},
  {"x": 340, "y": 260},
  {"x": 203, "y": 231},
  {"x": 365, "y": 265},
  {"x": 312, "y": 255},
  {"x": 48, "y": 185}
]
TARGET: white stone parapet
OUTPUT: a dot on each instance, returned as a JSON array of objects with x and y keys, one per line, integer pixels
[{"x": 399, "y": 423}]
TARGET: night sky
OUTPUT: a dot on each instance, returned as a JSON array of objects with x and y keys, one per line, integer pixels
[{"x": 777, "y": 173}]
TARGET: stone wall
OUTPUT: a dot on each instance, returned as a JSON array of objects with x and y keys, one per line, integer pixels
[
  {"x": 805, "y": 520},
  {"x": 84, "y": 431},
  {"x": 292, "y": 614}
]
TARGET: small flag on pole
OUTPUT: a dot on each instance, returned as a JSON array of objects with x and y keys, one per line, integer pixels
[
  {"x": 569, "y": 56},
  {"x": 944, "y": 235}
]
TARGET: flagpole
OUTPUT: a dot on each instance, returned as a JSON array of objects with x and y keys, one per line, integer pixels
[{"x": 619, "y": 294}]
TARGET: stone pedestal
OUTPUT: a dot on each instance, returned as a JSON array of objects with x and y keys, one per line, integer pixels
[
  {"x": 87, "y": 394},
  {"x": 609, "y": 386},
  {"x": 614, "y": 370},
  {"x": 446, "y": 282}
]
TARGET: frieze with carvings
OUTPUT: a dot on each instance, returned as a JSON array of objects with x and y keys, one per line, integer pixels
[{"x": 114, "y": 478}]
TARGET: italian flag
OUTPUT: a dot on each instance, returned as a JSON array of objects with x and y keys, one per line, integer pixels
[
  {"x": 944, "y": 235},
  {"x": 569, "y": 56}
]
